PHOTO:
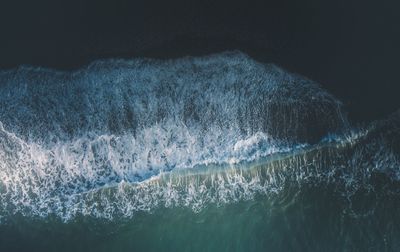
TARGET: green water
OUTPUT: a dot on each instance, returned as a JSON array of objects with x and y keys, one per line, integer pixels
[{"x": 301, "y": 218}]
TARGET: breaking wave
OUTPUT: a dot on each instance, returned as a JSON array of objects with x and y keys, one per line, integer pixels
[{"x": 117, "y": 137}]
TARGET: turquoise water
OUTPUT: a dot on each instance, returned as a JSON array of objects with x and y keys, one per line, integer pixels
[{"x": 306, "y": 219}]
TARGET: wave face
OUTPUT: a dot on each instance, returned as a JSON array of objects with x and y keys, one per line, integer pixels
[
  {"x": 133, "y": 150},
  {"x": 200, "y": 96},
  {"x": 114, "y": 122}
]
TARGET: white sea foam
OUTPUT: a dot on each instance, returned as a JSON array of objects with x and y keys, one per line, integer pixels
[{"x": 107, "y": 140}]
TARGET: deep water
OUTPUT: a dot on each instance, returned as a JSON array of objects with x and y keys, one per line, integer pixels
[{"x": 218, "y": 153}]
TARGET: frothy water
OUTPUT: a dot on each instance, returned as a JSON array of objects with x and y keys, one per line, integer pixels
[
  {"x": 116, "y": 122},
  {"x": 120, "y": 138}
]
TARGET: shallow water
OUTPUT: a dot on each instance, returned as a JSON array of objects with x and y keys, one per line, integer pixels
[{"x": 301, "y": 219}]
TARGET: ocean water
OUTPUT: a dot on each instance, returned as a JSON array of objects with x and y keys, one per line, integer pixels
[{"x": 216, "y": 153}]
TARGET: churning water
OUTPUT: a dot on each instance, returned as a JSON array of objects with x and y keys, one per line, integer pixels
[{"x": 218, "y": 153}]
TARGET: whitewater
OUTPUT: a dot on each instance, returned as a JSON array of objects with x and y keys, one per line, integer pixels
[{"x": 117, "y": 139}]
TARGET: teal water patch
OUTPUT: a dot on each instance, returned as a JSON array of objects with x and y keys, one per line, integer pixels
[{"x": 308, "y": 218}]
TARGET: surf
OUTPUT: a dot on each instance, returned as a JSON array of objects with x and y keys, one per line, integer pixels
[{"x": 119, "y": 137}]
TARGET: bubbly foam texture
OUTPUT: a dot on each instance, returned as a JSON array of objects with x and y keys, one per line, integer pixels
[
  {"x": 120, "y": 136},
  {"x": 224, "y": 92},
  {"x": 39, "y": 190}
]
